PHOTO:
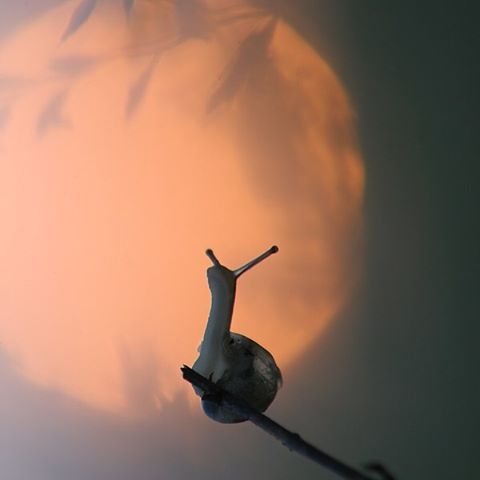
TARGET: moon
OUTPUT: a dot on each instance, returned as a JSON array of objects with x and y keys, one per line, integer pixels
[{"x": 130, "y": 145}]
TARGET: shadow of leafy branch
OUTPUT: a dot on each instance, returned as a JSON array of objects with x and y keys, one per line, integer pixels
[{"x": 193, "y": 19}]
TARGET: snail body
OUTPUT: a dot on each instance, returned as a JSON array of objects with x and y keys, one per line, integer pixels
[{"x": 233, "y": 361}]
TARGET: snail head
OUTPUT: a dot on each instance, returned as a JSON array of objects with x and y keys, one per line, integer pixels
[{"x": 220, "y": 270}]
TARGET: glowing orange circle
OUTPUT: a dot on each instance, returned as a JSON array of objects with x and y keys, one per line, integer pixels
[{"x": 106, "y": 215}]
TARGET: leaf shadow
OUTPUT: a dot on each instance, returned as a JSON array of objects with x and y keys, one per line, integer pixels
[
  {"x": 52, "y": 116},
  {"x": 251, "y": 53},
  {"x": 80, "y": 16},
  {"x": 138, "y": 90},
  {"x": 127, "y": 6},
  {"x": 73, "y": 65}
]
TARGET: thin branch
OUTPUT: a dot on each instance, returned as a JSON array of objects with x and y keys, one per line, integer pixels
[{"x": 291, "y": 440}]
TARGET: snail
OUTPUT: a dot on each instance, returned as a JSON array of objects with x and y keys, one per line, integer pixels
[{"x": 233, "y": 361}]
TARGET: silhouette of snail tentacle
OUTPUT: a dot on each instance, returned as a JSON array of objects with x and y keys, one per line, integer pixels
[{"x": 233, "y": 361}]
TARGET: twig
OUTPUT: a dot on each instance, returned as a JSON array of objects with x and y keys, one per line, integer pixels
[{"x": 291, "y": 440}]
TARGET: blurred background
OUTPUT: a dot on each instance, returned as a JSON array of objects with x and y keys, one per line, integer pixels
[{"x": 371, "y": 311}]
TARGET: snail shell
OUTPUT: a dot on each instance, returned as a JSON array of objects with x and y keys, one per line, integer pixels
[{"x": 255, "y": 378}]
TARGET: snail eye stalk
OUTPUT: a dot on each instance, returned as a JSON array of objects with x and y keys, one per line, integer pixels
[
  {"x": 255, "y": 261},
  {"x": 212, "y": 257}
]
